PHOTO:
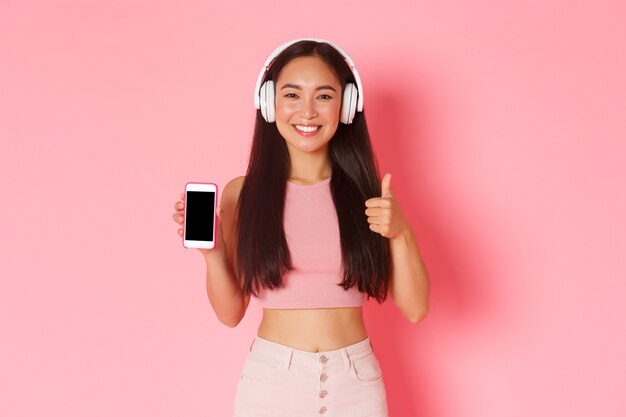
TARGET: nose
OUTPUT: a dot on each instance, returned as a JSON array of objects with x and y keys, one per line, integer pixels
[{"x": 308, "y": 110}]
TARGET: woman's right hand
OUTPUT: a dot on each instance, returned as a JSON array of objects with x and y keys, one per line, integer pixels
[{"x": 179, "y": 217}]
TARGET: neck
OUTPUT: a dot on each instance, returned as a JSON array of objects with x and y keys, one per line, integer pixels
[{"x": 310, "y": 167}]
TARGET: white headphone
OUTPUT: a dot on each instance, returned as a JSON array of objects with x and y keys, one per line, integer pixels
[{"x": 264, "y": 95}]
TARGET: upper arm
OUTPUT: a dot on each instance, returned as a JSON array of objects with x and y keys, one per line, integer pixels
[{"x": 228, "y": 204}]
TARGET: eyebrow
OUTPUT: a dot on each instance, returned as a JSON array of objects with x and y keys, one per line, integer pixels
[{"x": 297, "y": 87}]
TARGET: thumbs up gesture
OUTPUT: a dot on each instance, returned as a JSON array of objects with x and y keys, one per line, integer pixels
[{"x": 384, "y": 214}]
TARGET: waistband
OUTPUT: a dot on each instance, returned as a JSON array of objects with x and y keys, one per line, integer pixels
[{"x": 327, "y": 359}]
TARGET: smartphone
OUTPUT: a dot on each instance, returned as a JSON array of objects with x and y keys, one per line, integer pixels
[{"x": 199, "y": 225}]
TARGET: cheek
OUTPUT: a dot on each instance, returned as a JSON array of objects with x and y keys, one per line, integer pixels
[
  {"x": 284, "y": 108},
  {"x": 282, "y": 124},
  {"x": 283, "y": 116},
  {"x": 332, "y": 111},
  {"x": 332, "y": 129}
]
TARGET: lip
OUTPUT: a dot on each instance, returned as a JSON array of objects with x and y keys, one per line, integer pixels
[{"x": 306, "y": 134}]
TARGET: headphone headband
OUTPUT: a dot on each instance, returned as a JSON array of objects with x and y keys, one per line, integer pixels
[{"x": 277, "y": 51}]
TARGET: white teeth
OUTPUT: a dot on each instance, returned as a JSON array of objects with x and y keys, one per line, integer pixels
[{"x": 307, "y": 129}]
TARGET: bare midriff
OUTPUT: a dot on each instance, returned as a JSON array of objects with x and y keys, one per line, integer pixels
[{"x": 313, "y": 330}]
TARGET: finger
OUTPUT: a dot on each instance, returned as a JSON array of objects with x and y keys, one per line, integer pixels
[
  {"x": 373, "y": 220},
  {"x": 375, "y": 228},
  {"x": 386, "y": 186},
  {"x": 220, "y": 235},
  {"x": 378, "y": 202},
  {"x": 373, "y": 211}
]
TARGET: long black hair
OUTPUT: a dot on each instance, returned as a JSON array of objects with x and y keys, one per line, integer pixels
[{"x": 262, "y": 252}]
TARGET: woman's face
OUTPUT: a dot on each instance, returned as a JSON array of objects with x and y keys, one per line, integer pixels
[{"x": 308, "y": 101}]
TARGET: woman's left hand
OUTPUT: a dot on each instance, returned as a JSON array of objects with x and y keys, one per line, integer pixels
[{"x": 384, "y": 214}]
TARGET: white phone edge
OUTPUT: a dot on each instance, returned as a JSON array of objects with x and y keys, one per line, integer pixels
[{"x": 204, "y": 187}]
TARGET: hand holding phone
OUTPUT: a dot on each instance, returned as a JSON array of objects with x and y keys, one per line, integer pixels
[
  {"x": 179, "y": 217},
  {"x": 198, "y": 214}
]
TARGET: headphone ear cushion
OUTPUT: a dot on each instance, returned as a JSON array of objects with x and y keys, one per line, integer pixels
[
  {"x": 270, "y": 101},
  {"x": 262, "y": 101},
  {"x": 348, "y": 107},
  {"x": 266, "y": 101}
]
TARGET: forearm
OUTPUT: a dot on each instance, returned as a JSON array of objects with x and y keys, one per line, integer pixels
[
  {"x": 223, "y": 290},
  {"x": 410, "y": 284}
]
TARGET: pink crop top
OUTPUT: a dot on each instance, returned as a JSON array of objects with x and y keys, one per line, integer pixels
[{"x": 312, "y": 235}]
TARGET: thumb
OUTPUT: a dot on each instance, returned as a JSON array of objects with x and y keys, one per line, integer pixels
[
  {"x": 218, "y": 224},
  {"x": 218, "y": 220},
  {"x": 386, "y": 186}
]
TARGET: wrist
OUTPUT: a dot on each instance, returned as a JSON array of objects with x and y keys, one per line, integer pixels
[
  {"x": 214, "y": 254},
  {"x": 404, "y": 236}
]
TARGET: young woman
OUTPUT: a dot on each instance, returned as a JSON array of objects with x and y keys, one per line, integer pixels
[{"x": 311, "y": 231}]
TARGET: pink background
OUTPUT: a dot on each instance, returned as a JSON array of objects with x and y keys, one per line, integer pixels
[{"x": 502, "y": 123}]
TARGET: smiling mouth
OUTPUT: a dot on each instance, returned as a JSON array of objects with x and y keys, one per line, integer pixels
[{"x": 306, "y": 128}]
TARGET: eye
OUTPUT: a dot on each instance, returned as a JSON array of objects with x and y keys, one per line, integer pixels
[
  {"x": 325, "y": 96},
  {"x": 291, "y": 95}
]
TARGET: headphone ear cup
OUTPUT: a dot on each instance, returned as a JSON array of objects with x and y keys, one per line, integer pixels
[
  {"x": 262, "y": 101},
  {"x": 266, "y": 101},
  {"x": 270, "y": 101},
  {"x": 348, "y": 107}
]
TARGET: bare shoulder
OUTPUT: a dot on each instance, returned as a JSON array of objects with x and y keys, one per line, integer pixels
[
  {"x": 231, "y": 190},
  {"x": 237, "y": 181},
  {"x": 228, "y": 204}
]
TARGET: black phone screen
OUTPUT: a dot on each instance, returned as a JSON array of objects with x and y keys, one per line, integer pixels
[{"x": 199, "y": 216}]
